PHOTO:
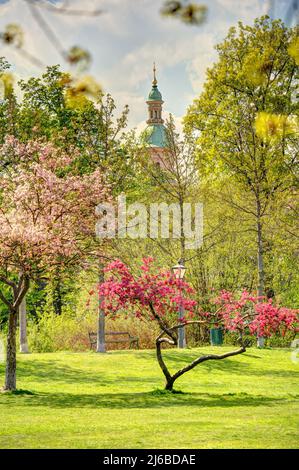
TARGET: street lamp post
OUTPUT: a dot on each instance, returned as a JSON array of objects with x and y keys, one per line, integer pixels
[{"x": 179, "y": 272}]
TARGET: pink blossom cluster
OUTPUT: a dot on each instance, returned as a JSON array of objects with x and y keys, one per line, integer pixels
[
  {"x": 123, "y": 291},
  {"x": 47, "y": 215},
  {"x": 161, "y": 289},
  {"x": 254, "y": 314}
]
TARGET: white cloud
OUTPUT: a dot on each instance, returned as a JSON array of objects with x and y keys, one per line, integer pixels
[
  {"x": 245, "y": 8},
  {"x": 136, "y": 102},
  {"x": 125, "y": 40}
]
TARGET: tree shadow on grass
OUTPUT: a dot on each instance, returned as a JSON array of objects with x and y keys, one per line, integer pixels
[
  {"x": 49, "y": 371},
  {"x": 232, "y": 365},
  {"x": 140, "y": 400},
  {"x": 229, "y": 365}
]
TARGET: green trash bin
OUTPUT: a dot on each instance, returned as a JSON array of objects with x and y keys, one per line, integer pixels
[{"x": 216, "y": 336}]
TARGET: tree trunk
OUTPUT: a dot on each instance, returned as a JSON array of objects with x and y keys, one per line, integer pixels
[
  {"x": 101, "y": 345},
  {"x": 181, "y": 331},
  {"x": 169, "y": 385},
  {"x": 19, "y": 292},
  {"x": 260, "y": 261},
  {"x": 260, "y": 265},
  {"x": 23, "y": 327},
  {"x": 11, "y": 357},
  {"x": 57, "y": 302}
]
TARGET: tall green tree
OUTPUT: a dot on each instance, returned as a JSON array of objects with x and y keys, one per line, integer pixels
[{"x": 245, "y": 125}]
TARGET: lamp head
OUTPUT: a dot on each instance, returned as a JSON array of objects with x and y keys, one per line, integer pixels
[{"x": 179, "y": 269}]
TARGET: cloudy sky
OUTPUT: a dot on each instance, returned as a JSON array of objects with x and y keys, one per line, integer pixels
[{"x": 125, "y": 40}]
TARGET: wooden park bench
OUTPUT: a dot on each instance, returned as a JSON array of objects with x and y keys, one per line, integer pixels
[{"x": 127, "y": 338}]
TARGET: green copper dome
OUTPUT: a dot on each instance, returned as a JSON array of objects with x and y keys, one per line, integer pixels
[
  {"x": 154, "y": 94},
  {"x": 155, "y": 135}
]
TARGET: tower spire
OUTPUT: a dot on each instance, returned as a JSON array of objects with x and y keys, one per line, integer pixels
[
  {"x": 154, "y": 102},
  {"x": 155, "y": 133},
  {"x": 154, "y": 79}
]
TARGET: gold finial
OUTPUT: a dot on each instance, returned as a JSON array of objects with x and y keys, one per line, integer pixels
[{"x": 154, "y": 79}]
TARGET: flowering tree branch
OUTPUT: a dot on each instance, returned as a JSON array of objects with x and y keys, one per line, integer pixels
[
  {"x": 47, "y": 220},
  {"x": 156, "y": 296}
]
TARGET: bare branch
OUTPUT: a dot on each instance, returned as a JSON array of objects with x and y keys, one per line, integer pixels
[
  {"x": 65, "y": 11},
  {"x": 170, "y": 379},
  {"x": 207, "y": 357},
  {"x": 22, "y": 292},
  {"x": 46, "y": 28},
  {"x": 5, "y": 301},
  {"x": 11, "y": 284}
]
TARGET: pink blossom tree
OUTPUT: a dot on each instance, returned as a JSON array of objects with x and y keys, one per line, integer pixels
[
  {"x": 254, "y": 315},
  {"x": 156, "y": 296},
  {"x": 47, "y": 219}
]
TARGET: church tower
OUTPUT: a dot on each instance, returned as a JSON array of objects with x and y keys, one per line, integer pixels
[{"x": 155, "y": 132}]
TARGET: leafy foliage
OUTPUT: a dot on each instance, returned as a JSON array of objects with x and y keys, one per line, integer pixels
[{"x": 246, "y": 123}]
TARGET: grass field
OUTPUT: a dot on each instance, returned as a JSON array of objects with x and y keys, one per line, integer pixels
[{"x": 88, "y": 400}]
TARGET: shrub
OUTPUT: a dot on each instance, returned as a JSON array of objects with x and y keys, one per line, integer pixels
[
  {"x": 278, "y": 341},
  {"x": 145, "y": 330},
  {"x": 66, "y": 332},
  {"x": 59, "y": 332}
]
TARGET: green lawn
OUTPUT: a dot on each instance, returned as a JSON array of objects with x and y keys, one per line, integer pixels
[{"x": 88, "y": 400}]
